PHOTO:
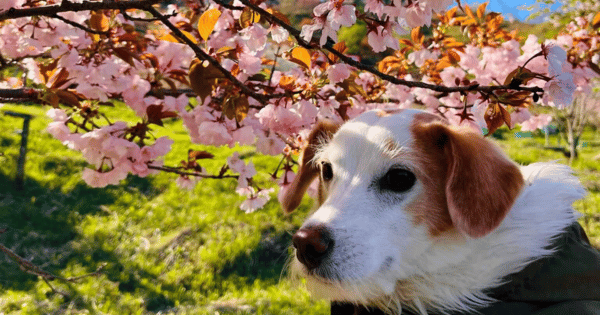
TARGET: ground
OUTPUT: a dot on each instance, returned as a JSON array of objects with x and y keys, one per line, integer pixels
[{"x": 167, "y": 250}]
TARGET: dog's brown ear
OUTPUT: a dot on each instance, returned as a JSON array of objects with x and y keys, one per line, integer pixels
[
  {"x": 481, "y": 182},
  {"x": 307, "y": 171}
]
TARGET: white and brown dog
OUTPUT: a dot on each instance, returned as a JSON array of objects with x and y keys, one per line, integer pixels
[{"x": 419, "y": 214}]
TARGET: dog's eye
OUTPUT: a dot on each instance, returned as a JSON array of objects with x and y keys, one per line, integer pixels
[
  {"x": 398, "y": 180},
  {"x": 326, "y": 171}
]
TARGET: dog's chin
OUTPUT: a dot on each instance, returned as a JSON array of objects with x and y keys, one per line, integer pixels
[{"x": 327, "y": 284}]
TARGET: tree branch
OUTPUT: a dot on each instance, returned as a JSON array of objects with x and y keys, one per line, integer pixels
[
  {"x": 67, "y": 6},
  {"x": 30, "y": 268},
  {"x": 77, "y": 25},
  {"x": 195, "y": 174},
  {"x": 32, "y": 95},
  {"x": 19, "y": 95},
  {"x": 201, "y": 54},
  {"x": 361, "y": 66}
]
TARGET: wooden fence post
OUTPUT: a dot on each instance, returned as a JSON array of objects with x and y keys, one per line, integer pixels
[{"x": 20, "y": 178}]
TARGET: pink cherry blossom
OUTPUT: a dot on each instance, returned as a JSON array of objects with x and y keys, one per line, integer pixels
[
  {"x": 271, "y": 144},
  {"x": 345, "y": 15},
  {"x": 375, "y": 6},
  {"x": 213, "y": 133},
  {"x": 7, "y": 4},
  {"x": 450, "y": 74},
  {"x": 557, "y": 59},
  {"x": 418, "y": 14},
  {"x": 243, "y": 136},
  {"x": 419, "y": 57},
  {"x": 254, "y": 37},
  {"x": 134, "y": 95},
  {"x": 103, "y": 179},
  {"x": 309, "y": 29},
  {"x": 249, "y": 63},
  {"x": 536, "y": 122},
  {"x": 186, "y": 182},
  {"x": 279, "y": 34},
  {"x": 255, "y": 200},
  {"x": 559, "y": 91},
  {"x": 338, "y": 72},
  {"x": 381, "y": 39},
  {"x": 57, "y": 114},
  {"x": 160, "y": 147},
  {"x": 438, "y": 5}
]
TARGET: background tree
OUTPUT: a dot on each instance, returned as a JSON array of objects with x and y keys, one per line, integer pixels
[{"x": 573, "y": 120}]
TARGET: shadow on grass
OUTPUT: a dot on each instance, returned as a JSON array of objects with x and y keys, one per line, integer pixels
[
  {"x": 265, "y": 262},
  {"x": 41, "y": 221}
]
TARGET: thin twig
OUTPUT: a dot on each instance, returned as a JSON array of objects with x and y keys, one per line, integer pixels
[
  {"x": 201, "y": 54},
  {"x": 180, "y": 172},
  {"x": 131, "y": 18},
  {"x": 30, "y": 268},
  {"x": 77, "y": 25}
]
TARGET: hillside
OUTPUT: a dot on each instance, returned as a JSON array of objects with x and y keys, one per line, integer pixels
[{"x": 166, "y": 250}]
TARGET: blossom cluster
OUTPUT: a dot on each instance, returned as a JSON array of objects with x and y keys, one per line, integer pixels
[{"x": 294, "y": 79}]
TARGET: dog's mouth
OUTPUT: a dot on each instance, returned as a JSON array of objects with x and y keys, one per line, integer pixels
[{"x": 323, "y": 274}]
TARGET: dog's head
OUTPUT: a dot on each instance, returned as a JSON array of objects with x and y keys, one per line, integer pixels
[{"x": 398, "y": 190}]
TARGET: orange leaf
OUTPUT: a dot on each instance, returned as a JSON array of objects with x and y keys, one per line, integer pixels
[
  {"x": 207, "y": 21},
  {"x": 287, "y": 82},
  {"x": 415, "y": 34},
  {"x": 99, "y": 22},
  {"x": 68, "y": 98},
  {"x": 194, "y": 155},
  {"x": 454, "y": 56},
  {"x": 481, "y": 10},
  {"x": 596, "y": 20},
  {"x": 389, "y": 63},
  {"x": 339, "y": 47},
  {"x": 59, "y": 78},
  {"x": 469, "y": 12},
  {"x": 124, "y": 54},
  {"x": 242, "y": 106},
  {"x": 469, "y": 22},
  {"x": 203, "y": 77},
  {"x": 451, "y": 13},
  {"x": 443, "y": 63},
  {"x": 51, "y": 98},
  {"x": 495, "y": 116},
  {"x": 171, "y": 38},
  {"x": 248, "y": 17},
  {"x": 156, "y": 114},
  {"x": 301, "y": 56}
]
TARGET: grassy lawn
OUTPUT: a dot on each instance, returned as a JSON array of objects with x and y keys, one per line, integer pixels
[{"x": 167, "y": 250}]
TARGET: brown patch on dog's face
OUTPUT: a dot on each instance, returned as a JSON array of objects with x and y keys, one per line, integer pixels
[
  {"x": 307, "y": 171},
  {"x": 388, "y": 112},
  {"x": 430, "y": 207},
  {"x": 468, "y": 184}
]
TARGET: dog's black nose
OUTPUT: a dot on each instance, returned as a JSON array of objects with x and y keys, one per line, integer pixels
[{"x": 312, "y": 244}]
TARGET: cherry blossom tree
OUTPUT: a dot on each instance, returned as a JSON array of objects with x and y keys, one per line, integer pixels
[{"x": 238, "y": 72}]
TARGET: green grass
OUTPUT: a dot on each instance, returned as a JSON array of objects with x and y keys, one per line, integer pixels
[{"x": 167, "y": 250}]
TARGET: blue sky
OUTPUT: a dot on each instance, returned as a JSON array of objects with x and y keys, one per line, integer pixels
[{"x": 507, "y": 7}]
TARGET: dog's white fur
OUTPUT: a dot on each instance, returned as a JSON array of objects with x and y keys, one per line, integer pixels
[{"x": 382, "y": 258}]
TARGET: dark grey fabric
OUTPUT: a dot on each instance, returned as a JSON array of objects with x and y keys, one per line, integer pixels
[{"x": 567, "y": 282}]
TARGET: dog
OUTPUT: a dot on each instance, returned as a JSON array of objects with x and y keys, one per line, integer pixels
[{"x": 415, "y": 213}]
